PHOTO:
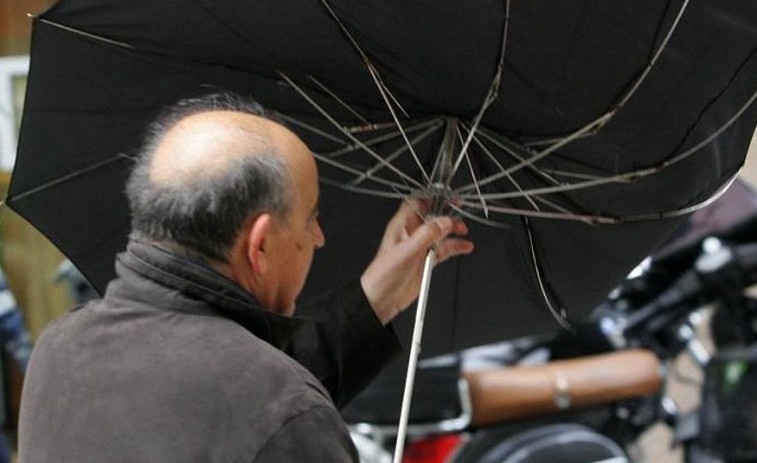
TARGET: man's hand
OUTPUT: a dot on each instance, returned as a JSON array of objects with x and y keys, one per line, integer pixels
[{"x": 392, "y": 280}]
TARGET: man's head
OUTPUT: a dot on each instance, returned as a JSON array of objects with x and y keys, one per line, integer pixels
[{"x": 219, "y": 180}]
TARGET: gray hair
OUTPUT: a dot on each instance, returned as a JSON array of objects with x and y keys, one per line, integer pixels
[{"x": 205, "y": 217}]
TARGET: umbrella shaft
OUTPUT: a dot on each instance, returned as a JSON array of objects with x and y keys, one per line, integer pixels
[{"x": 415, "y": 350}]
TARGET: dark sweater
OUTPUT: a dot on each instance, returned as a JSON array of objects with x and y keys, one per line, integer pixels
[{"x": 178, "y": 364}]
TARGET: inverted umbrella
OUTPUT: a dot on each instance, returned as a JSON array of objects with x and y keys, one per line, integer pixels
[{"x": 572, "y": 136}]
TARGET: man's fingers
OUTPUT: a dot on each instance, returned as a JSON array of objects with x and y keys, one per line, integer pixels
[
  {"x": 408, "y": 217},
  {"x": 430, "y": 232},
  {"x": 451, "y": 247},
  {"x": 459, "y": 227},
  {"x": 436, "y": 231}
]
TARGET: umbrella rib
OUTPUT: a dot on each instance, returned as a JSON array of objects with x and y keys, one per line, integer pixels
[
  {"x": 492, "y": 94},
  {"x": 565, "y": 173},
  {"x": 373, "y": 126},
  {"x": 392, "y": 156},
  {"x": 562, "y": 317},
  {"x": 542, "y": 172},
  {"x": 365, "y": 191},
  {"x": 357, "y": 47},
  {"x": 567, "y": 215},
  {"x": 311, "y": 128},
  {"x": 656, "y": 56},
  {"x": 99, "y": 38},
  {"x": 547, "y": 151},
  {"x": 382, "y": 90},
  {"x": 607, "y": 219},
  {"x": 503, "y": 47},
  {"x": 510, "y": 151},
  {"x": 438, "y": 159},
  {"x": 381, "y": 85},
  {"x": 338, "y": 99},
  {"x": 553, "y": 205},
  {"x": 479, "y": 219},
  {"x": 713, "y": 135},
  {"x": 382, "y": 138},
  {"x": 473, "y": 175},
  {"x": 631, "y": 176},
  {"x": 472, "y": 131},
  {"x": 70, "y": 176},
  {"x": 683, "y": 211},
  {"x": 359, "y": 172},
  {"x": 509, "y": 177},
  {"x": 386, "y": 94},
  {"x": 600, "y": 122},
  {"x": 362, "y": 145},
  {"x": 620, "y": 178}
]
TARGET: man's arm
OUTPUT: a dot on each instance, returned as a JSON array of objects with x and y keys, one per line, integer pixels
[
  {"x": 343, "y": 343},
  {"x": 346, "y": 346}
]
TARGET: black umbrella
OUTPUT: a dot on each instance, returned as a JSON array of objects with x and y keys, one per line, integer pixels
[{"x": 575, "y": 133}]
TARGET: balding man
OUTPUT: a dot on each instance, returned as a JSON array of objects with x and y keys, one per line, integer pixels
[{"x": 193, "y": 354}]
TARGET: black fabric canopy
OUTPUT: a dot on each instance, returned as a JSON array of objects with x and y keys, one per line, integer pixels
[{"x": 587, "y": 129}]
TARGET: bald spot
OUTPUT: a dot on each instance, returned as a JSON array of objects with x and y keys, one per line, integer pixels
[{"x": 207, "y": 144}]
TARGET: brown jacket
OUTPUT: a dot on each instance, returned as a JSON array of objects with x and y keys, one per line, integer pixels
[{"x": 178, "y": 364}]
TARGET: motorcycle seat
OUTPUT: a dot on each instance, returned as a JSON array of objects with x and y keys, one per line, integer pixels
[
  {"x": 436, "y": 397},
  {"x": 500, "y": 394}
]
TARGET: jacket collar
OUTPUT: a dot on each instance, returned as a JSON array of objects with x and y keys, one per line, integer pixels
[{"x": 195, "y": 280}]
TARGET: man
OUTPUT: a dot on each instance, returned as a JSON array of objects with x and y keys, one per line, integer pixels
[{"x": 180, "y": 360}]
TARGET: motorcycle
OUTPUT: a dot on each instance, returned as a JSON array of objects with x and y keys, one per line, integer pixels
[{"x": 587, "y": 396}]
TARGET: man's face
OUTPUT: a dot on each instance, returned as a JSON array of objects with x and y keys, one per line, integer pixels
[{"x": 299, "y": 234}]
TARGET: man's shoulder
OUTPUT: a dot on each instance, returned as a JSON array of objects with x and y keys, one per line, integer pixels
[
  {"x": 256, "y": 364},
  {"x": 61, "y": 328},
  {"x": 196, "y": 348}
]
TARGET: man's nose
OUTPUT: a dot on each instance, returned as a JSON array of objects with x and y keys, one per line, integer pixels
[{"x": 320, "y": 239}]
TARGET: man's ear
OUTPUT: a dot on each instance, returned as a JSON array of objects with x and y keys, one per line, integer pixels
[{"x": 257, "y": 243}]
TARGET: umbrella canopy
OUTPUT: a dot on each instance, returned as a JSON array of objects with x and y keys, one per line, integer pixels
[{"x": 574, "y": 135}]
